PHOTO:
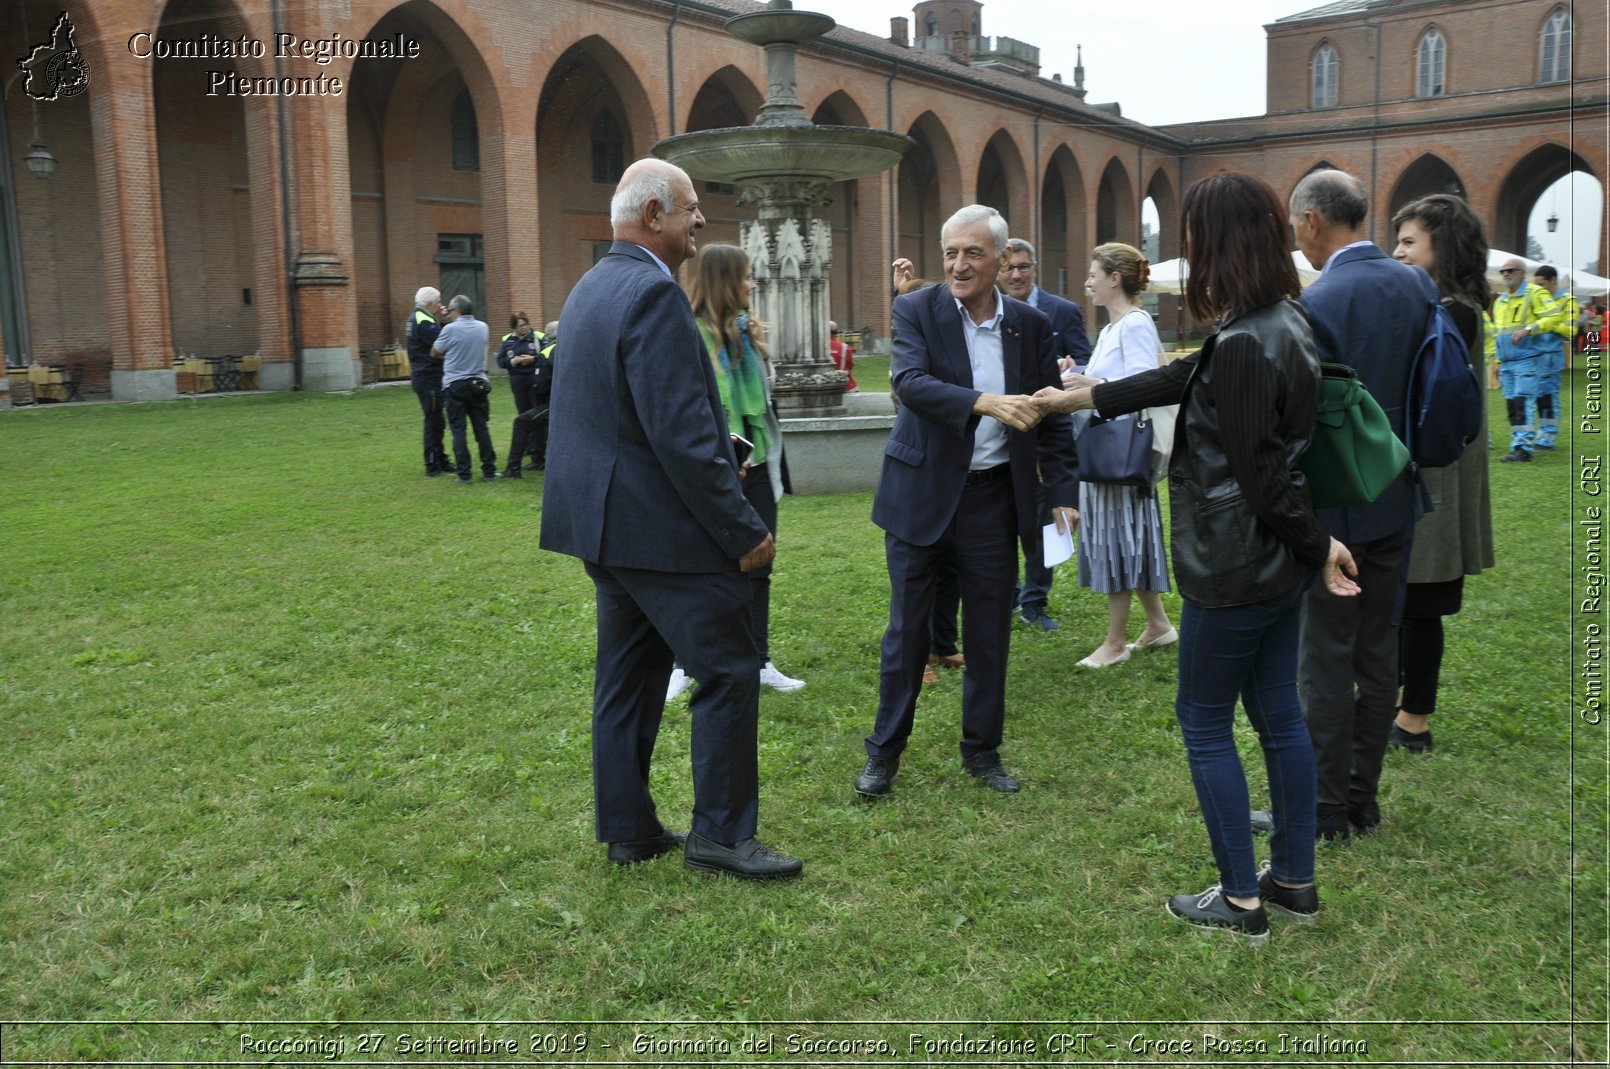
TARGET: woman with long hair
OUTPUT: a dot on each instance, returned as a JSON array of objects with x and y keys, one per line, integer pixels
[
  {"x": 1246, "y": 541},
  {"x": 1121, "y": 530},
  {"x": 1442, "y": 235},
  {"x": 719, "y": 292}
]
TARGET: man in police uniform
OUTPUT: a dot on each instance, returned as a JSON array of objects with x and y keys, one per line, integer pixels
[
  {"x": 1517, "y": 318},
  {"x": 425, "y": 374}
]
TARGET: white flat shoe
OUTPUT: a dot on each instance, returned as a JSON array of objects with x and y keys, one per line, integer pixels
[
  {"x": 1091, "y": 662},
  {"x": 1167, "y": 638}
]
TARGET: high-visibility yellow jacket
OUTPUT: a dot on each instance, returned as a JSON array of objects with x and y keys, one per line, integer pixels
[
  {"x": 1562, "y": 315},
  {"x": 1524, "y": 308}
]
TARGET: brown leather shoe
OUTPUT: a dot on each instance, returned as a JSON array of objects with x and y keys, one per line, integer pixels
[
  {"x": 947, "y": 660},
  {"x": 929, "y": 676}
]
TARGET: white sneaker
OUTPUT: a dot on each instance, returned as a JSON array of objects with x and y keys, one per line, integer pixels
[
  {"x": 771, "y": 677},
  {"x": 680, "y": 682}
]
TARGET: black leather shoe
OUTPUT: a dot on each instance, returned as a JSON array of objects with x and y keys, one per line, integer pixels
[
  {"x": 1364, "y": 818},
  {"x": 1332, "y": 826},
  {"x": 1413, "y": 741},
  {"x": 876, "y": 776},
  {"x": 511, "y": 473},
  {"x": 634, "y": 850},
  {"x": 1299, "y": 903},
  {"x": 1211, "y": 911},
  {"x": 1329, "y": 826},
  {"x": 994, "y": 775},
  {"x": 1516, "y": 456},
  {"x": 750, "y": 859},
  {"x": 1263, "y": 822}
]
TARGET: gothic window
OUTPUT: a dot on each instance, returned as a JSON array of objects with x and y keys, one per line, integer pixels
[
  {"x": 1430, "y": 65},
  {"x": 609, "y": 149},
  {"x": 930, "y": 25},
  {"x": 1324, "y": 95},
  {"x": 466, "y": 138},
  {"x": 1555, "y": 48}
]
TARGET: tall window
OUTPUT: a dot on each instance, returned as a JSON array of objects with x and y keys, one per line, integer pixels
[
  {"x": 466, "y": 138},
  {"x": 1430, "y": 65},
  {"x": 930, "y": 25},
  {"x": 609, "y": 149},
  {"x": 1324, "y": 95},
  {"x": 1556, "y": 49}
]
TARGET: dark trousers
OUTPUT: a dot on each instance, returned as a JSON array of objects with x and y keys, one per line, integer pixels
[
  {"x": 981, "y": 543},
  {"x": 1247, "y": 652},
  {"x": 1348, "y": 675},
  {"x": 644, "y": 620},
  {"x": 530, "y": 436},
  {"x": 429, "y": 391},
  {"x": 947, "y": 603},
  {"x": 757, "y": 490},
  {"x": 527, "y": 399},
  {"x": 1035, "y": 591},
  {"x": 465, "y": 402}
]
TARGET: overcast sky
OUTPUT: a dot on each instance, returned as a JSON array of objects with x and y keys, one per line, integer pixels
[{"x": 1172, "y": 61}]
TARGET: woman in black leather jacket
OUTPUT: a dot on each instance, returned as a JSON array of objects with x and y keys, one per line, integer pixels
[{"x": 1245, "y": 538}]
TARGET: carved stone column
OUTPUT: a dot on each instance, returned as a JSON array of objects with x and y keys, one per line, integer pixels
[{"x": 790, "y": 258}]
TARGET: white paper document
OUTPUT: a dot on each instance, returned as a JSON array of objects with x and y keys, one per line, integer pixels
[{"x": 1058, "y": 547}]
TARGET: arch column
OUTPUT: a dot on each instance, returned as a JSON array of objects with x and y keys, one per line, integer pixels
[
  {"x": 324, "y": 301},
  {"x": 128, "y": 185}
]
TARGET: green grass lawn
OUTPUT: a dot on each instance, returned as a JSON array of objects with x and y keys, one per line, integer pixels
[{"x": 294, "y": 734}]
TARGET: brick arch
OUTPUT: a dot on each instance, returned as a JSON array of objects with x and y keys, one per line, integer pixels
[
  {"x": 930, "y": 185},
  {"x": 588, "y": 79},
  {"x": 1063, "y": 247},
  {"x": 726, "y": 98},
  {"x": 1165, "y": 198},
  {"x": 1525, "y": 178},
  {"x": 1117, "y": 207},
  {"x": 1003, "y": 182},
  {"x": 839, "y": 108},
  {"x": 1428, "y": 173}
]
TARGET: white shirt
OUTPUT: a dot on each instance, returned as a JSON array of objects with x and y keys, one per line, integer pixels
[{"x": 988, "y": 361}]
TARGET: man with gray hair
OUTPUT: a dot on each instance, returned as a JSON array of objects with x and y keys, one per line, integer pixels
[
  {"x": 1369, "y": 312},
  {"x": 960, "y": 476},
  {"x": 425, "y": 375},
  {"x": 461, "y": 347},
  {"x": 643, "y": 486}
]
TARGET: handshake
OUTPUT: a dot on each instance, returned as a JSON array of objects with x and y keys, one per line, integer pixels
[{"x": 1023, "y": 412}]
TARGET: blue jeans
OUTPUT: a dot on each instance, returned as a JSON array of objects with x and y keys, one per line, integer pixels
[{"x": 1247, "y": 652}]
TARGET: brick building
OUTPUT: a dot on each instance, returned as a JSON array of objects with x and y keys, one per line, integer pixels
[{"x": 213, "y": 193}]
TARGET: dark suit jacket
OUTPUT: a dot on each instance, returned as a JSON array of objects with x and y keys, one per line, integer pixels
[
  {"x": 641, "y": 472},
  {"x": 1068, "y": 323},
  {"x": 1369, "y": 312},
  {"x": 925, "y": 461}
]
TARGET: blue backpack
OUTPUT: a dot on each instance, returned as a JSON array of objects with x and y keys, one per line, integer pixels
[{"x": 1443, "y": 414}]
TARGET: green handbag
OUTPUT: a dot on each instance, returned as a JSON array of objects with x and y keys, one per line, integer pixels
[{"x": 1353, "y": 455}]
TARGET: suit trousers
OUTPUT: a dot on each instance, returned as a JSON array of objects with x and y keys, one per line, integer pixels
[
  {"x": 981, "y": 544},
  {"x": 645, "y": 619},
  {"x": 1347, "y": 673}
]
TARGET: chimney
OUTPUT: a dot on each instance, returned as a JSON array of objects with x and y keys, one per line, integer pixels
[
  {"x": 961, "y": 46},
  {"x": 899, "y": 32}
]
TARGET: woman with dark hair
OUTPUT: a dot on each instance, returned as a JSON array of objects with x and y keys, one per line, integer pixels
[
  {"x": 1246, "y": 541},
  {"x": 1442, "y": 235},
  {"x": 1121, "y": 529},
  {"x": 719, "y": 292}
]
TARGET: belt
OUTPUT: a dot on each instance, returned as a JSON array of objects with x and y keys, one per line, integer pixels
[{"x": 988, "y": 475}]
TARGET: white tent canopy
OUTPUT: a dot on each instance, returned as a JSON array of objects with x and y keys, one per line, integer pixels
[{"x": 1169, "y": 276}]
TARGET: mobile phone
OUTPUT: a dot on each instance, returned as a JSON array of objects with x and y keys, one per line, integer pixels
[{"x": 743, "y": 447}]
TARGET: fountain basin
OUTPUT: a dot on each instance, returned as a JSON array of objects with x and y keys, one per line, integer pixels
[
  {"x": 749, "y": 154},
  {"x": 779, "y": 26}
]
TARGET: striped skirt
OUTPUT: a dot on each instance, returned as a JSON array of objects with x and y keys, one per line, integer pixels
[{"x": 1120, "y": 540}]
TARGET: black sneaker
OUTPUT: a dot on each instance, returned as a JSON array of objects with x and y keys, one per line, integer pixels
[
  {"x": 876, "y": 776},
  {"x": 1211, "y": 911},
  {"x": 1413, "y": 741},
  {"x": 1515, "y": 456},
  {"x": 1299, "y": 903}
]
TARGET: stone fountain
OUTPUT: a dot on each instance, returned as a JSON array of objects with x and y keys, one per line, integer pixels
[{"x": 786, "y": 165}]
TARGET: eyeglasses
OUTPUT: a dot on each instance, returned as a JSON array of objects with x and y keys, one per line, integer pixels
[
  {"x": 1019, "y": 269},
  {"x": 1512, "y": 270}
]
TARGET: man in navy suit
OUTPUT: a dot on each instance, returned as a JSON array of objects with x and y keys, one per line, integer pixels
[
  {"x": 1070, "y": 343},
  {"x": 643, "y": 485},
  {"x": 958, "y": 485},
  {"x": 1370, "y": 312}
]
